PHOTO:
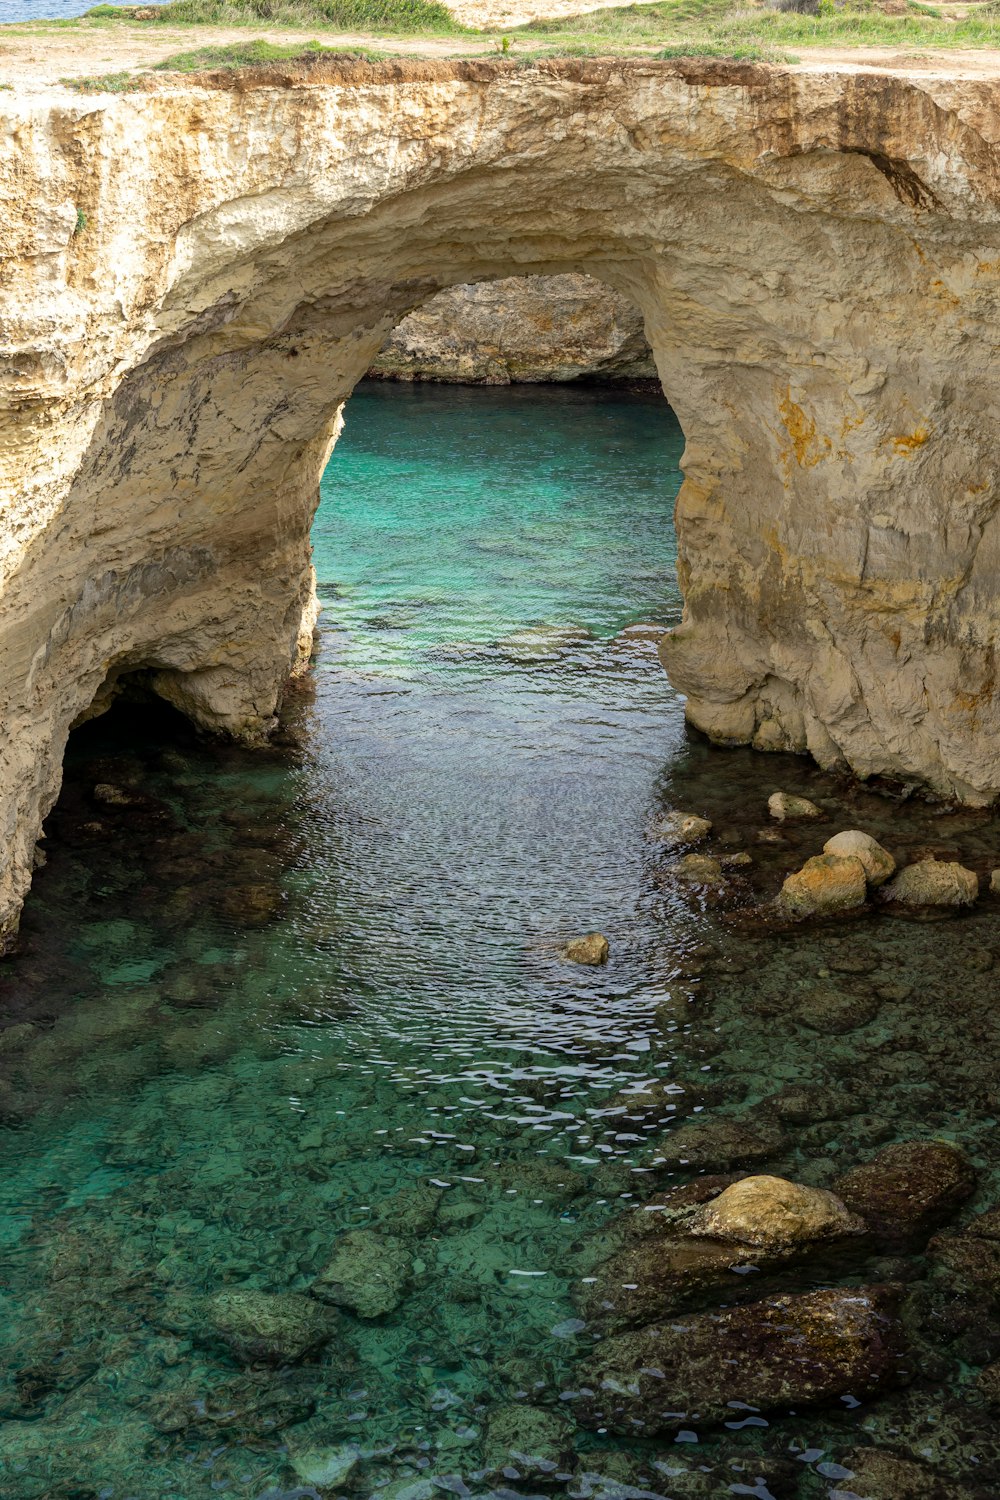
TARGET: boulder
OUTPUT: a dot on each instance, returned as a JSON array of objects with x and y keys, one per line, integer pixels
[
  {"x": 368, "y": 1272},
  {"x": 826, "y": 885},
  {"x": 785, "y": 807},
  {"x": 592, "y": 950},
  {"x": 273, "y": 1328},
  {"x": 933, "y": 882},
  {"x": 853, "y": 844},
  {"x": 908, "y": 1189},
  {"x": 770, "y": 1213},
  {"x": 785, "y": 1351},
  {"x": 677, "y": 829}
]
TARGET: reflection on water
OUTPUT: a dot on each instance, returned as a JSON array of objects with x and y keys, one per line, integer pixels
[{"x": 295, "y": 1023}]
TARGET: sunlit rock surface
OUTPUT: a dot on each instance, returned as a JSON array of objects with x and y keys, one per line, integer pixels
[
  {"x": 196, "y": 275},
  {"x": 524, "y": 328}
]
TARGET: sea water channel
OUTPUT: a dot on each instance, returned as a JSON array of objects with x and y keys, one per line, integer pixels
[{"x": 281, "y": 1006}]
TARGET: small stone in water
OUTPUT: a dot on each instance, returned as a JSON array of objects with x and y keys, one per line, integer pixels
[
  {"x": 592, "y": 949},
  {"x": 783, "y": 805},
  {"x": 675, "y": 829}
]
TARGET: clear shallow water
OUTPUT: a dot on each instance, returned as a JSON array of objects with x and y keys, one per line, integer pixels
[{"x": 275, "y": 997}]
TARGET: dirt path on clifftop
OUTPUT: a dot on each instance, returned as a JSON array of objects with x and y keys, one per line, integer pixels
[{"x": 34, "y": 57}]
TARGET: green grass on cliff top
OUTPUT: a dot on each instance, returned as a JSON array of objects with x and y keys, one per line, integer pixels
[{"x": 666, "y": 28}]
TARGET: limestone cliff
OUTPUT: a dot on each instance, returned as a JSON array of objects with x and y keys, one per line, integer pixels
[
  {"x": 523, "y": 328},
  {"x": 195, "y": 276}
]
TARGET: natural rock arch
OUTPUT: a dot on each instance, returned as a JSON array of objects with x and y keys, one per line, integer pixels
[{"x": 823, "y": 330}]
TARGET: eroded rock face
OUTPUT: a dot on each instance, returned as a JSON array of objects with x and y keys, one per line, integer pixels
[
  {"x": 523, "y": 328},
  {"x": 814, "y": 257}
]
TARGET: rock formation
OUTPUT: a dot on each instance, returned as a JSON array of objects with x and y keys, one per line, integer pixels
[
  {"x": 195, "y": 276},
  {"x": 523, "y": 328}
]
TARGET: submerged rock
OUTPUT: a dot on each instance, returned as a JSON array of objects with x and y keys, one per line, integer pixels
[
  {"x": 826, "y": 885},
  {"x": 252, "y": 904},
  {"x": 771, "y": 1213},
  {"x": 269, "y": 1327},
  {"x": 368, "y": 1272},
  {"x": 542, "y": 642},
  {"x": 698, "y": 869},
  {"x": 875, "y": 1474},
  {"x": 908, "y": 1189},
  {"x": 677, "y": 829},
  {"x": 523, "y": 1440},
  {"x": 789, "y": 1351},
  {"x": 784, "y": 806},
  {"x": 718, "y": 1145},
  {"x": 933, "y": 882},
  {"x": 592, "y": 950},
  {"x": 878, "y": 862},
  {"x": 831, "y": 1010}
]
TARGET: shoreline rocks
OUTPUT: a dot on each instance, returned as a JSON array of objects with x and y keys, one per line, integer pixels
[
  {"x": 826, "y": 885},
  {"x": 853, "y": 844},
  {"x": 933, "y": 882}
]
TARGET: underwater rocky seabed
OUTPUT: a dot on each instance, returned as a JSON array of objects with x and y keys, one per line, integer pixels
[{"x": 295, "y": 1022}]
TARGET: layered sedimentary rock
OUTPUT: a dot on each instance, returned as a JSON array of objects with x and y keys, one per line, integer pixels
[
  {"x": 523, "y": 328},
  {"x": 195, "y": 276}
]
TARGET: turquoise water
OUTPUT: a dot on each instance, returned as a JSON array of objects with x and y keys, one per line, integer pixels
[{"x": 267, "y": 1000}]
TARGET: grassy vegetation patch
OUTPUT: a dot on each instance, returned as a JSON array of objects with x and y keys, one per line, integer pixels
[
  {"x": 104, "y": 83},
  {"x": 253, "y": 54},
  {"x": 391, "y": 16},
  {"x": 721, "y": 28}
]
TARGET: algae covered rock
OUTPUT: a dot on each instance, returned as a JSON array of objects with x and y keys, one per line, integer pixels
[
  {"x": 523, "y": 1440},
  {"x": 908, "y": 1189},
  {"x": 718, "y": 1145},
  {"x": 877, "y": 1474},
  {"x": 853, "y": 844},
  {"x": 268, "y": 1327},
  {"x": 785, "y": 807},
  {"x": 368, "y": 1272},
  {"x": 785, "y": 1351},
  {"x": 933, "y": 882},
  {"x": 771, "y": 1213},
  {"x": 826, "y": 885},
  {"x": 591, "y": 949},
  {"x": 679, "y": 829}
]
